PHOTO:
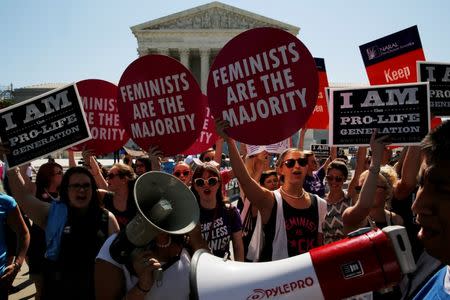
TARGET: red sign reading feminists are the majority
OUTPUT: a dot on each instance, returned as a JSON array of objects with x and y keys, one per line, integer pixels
[
  {"x": 99, "y": 100},
  {"x": 161, "y": 103},
  {"x": 264, "y": 82},
  {"x": 208, "y": 135}
]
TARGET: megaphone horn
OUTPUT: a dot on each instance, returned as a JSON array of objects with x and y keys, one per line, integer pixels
[{"x": 164, "y": 204}]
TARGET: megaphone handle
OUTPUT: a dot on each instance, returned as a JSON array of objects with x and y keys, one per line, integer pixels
[{"x": 157, "y": 276}]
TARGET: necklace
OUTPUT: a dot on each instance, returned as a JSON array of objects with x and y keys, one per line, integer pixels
[
  {"x": 166, "y": 244},
  {"x": 292, "y": 196}
]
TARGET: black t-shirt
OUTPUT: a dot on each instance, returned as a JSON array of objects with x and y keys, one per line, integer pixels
[{"x": 301, "y": 225}]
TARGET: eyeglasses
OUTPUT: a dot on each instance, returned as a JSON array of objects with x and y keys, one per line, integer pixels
[
  {"x": 290, "y": 163},
  {"x": 335, "y": 178},
  {"x": 78, "y": 187},
  {"x": 178, "y": 173},
  {"x": 212, "y": 181},
  {"x": 112, "y": 175}
]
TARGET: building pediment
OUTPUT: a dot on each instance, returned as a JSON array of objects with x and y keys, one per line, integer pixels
[{"x": 213, "y": 16}]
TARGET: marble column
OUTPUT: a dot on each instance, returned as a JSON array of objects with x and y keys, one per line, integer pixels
[
  {"x": 184, "y": 57},
  {"x": 204, "y": 67},
  {"x": 163, "y": 51}
]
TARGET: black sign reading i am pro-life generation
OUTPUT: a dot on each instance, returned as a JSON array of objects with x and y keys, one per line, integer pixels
[
  {"x": 43, "y": 124},
  {"x": 438, "y": 75},
  {"x": 400, "y": 111}
]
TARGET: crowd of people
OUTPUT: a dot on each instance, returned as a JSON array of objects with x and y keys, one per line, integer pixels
[{"x": 63, "y": 223}]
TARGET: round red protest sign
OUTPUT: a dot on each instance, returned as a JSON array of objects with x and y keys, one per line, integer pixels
[
  {"x": 161, "y": 103},
  {"x": 208, "y": 135},
  {"x": 265, "y": 83},
  {"x": 99, "y": 100}
]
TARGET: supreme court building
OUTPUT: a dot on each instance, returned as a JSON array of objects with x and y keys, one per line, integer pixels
[{"x": 196, "y": 35}]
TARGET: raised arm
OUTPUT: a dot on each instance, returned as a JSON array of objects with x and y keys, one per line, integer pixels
[
  {"x": 71, "y": 157},
  {"x": 95, "y": 169},
  {"x": 36, "y": 209},
  {"x": 354, "y": 216},
  {"x": 301, "y": 138},
  {"x": 155, "y": 155},
  {"x": 359, "y": 168},
  {"x": 408, "y": 175},
  {"x": 262, "y": 198}
]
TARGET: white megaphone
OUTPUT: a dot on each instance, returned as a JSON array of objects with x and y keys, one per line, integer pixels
[
  {"x": 366, "y": 260},
  {"x": 164, "y": 204}
]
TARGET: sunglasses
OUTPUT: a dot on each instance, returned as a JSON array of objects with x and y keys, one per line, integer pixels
[
  {"x": 178, "y": 173},
  {"x": 78, "y": 187},
  {"x": 207, "y": 159},
  {"x": 212, "y": 181},
  {"x": 290, "y": 163},
  {"x": 335, "y": 178},
  {"x": 112, "y": 175}
]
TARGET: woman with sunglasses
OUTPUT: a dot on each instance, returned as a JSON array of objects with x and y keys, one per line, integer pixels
[
  {"x": 183, "y": 172},
  {"x": 76, "y": 226},
  {"x": 120, "y": 198},
  {"x": 220, "y": 223},
  {"x": 337, "y": 201},
  {"x": 292, "y": 217}
]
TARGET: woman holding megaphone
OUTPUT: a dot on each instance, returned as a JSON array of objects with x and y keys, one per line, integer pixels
[
  {"x": 138, "y": 279},
  {"x": 292, "y": 217}
]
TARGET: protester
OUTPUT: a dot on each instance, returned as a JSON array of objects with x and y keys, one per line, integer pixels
[
  {"x": 11, "y": 217},
  {"x": 281, "y": 209},
  {"x": 142, "y": 165},
  {"x": 48, "y": 181},
  {"x": 432, "y": 208},
  {"x": 76, "y": 227},
  {"x": 120, "y": 201},
  {"x": 376, "y": 188},
  {"x": 220, "y": 223},
  {"x": 135, "y": 279},
  {"x": 183, "y": 172},
  {"x": 338, "y": 200}
]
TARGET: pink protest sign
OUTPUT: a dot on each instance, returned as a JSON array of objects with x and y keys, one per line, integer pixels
[
  {"x": 99, "y": 100},
  {"x": 161, "y": 103},
  {"x": 208, "y": 135},
  {"x": 265, "y": 83}
]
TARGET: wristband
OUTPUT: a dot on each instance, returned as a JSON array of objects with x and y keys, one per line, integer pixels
[{"x": 141, "y": 289}]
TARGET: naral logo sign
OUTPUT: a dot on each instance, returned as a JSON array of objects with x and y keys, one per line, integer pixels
[{"x": 281, "y": 289}]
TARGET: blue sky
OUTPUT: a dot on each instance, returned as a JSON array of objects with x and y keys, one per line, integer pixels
[{"x": 66, "y": 41}]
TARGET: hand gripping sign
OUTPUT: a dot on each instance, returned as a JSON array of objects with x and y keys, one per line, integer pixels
[
  {"x": 208, "y": 135},
  {"x": 161, "y": 103},
  {"x": 265, "y": 83},
  {"x": 99, "y": 100}
]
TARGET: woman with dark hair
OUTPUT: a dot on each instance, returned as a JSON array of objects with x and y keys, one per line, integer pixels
[
  {"x": 142, "y": 165},
  {"x": 220, "y": 223},
  {"x": 120, "y": 199},
  {"x": 337, "y": 199},
  {"x": 76, "y": 227},
  {"x": 48, "y": 180}
]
